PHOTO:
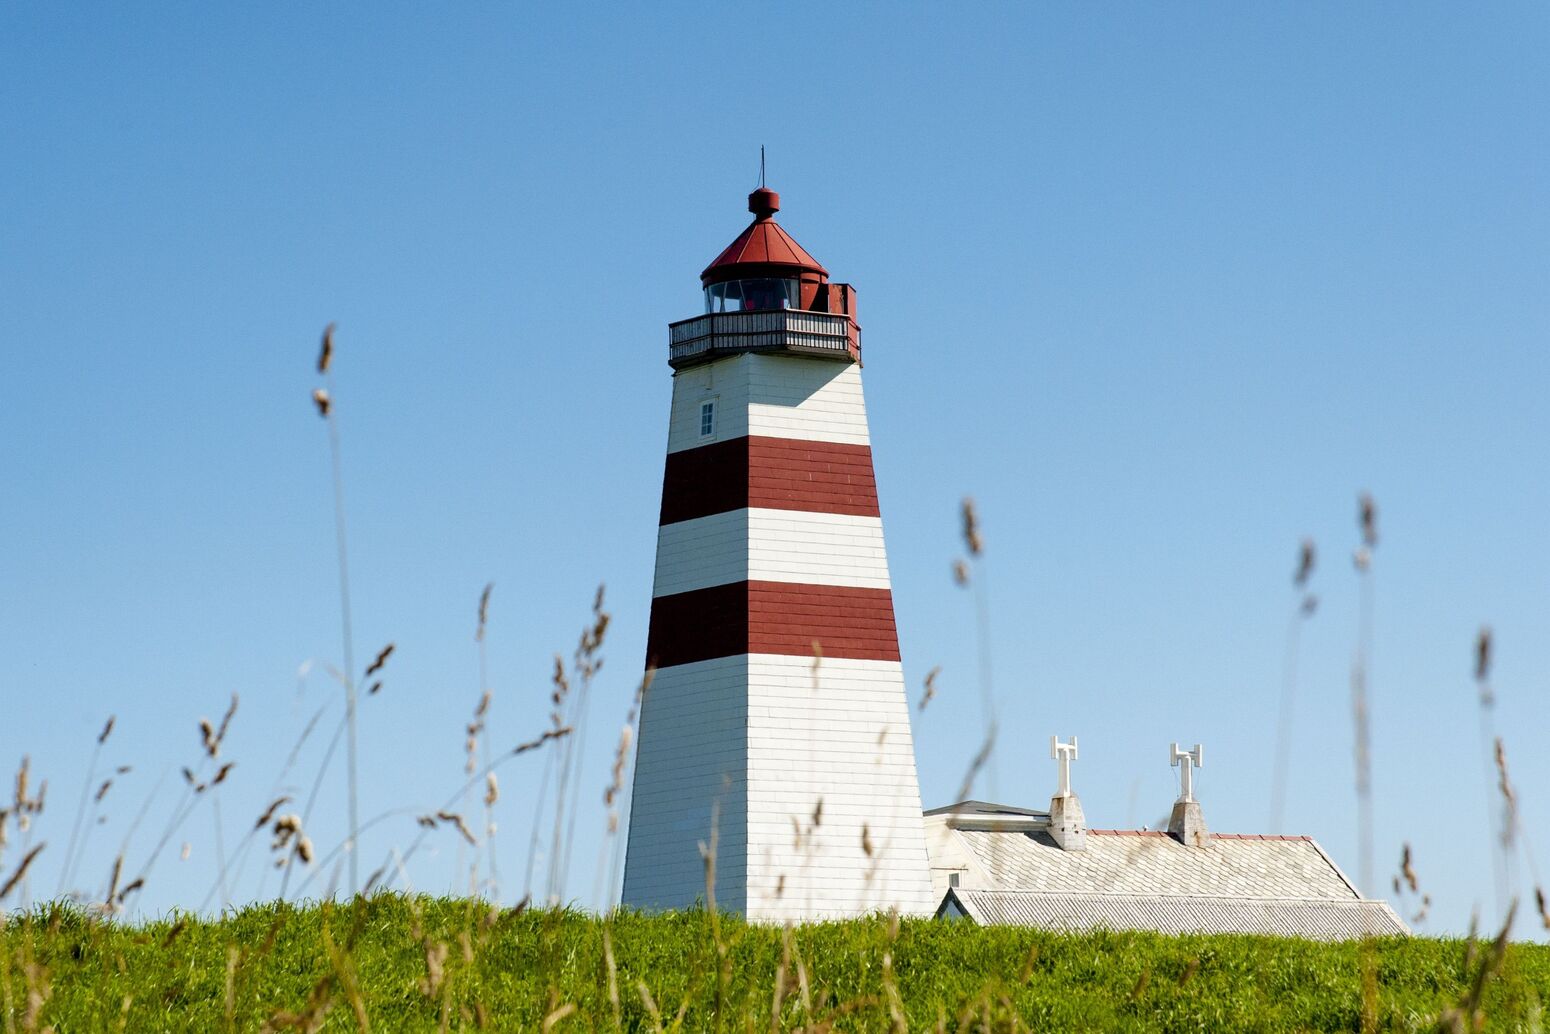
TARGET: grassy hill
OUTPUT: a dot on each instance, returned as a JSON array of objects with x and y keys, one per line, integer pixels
[{"x": 393, "y": 963}]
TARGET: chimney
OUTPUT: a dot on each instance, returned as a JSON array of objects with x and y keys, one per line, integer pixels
[
  {"x": 1187, "y": 823},
  {"x": 1067, "y": 826}
]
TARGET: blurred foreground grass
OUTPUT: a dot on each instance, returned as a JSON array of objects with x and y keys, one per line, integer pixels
[{"x": 398, "y": 963}]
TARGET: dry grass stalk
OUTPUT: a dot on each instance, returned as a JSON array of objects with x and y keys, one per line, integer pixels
[
  {"x": 1469, "y": 1015},
  {"x": 930, "y": 690},
  {"x": 971, "y": 528},
  {"x": 1307, "y": 557},
  {"x": 978, "y": 762},
  {"x": 312, "y": 1015},
  {"x": 541, "y": 740},
  {"x": 233, "y": 956},
  {"x": 349, "y": 981},
  {"x": 21, "y": 871},
  {"x": 622, "y": 751},
  {"x": 381, "y": 659},
  {"x": 1509, "y": 795},
  {"x": 326, "y": 352},
  {"x": 24, "y": 806},
  {"x": 553, "y": 1019},
  {"x": 274, "y": 806},
  {"x": 322, "y": 400},
  {"x": 1483, "y": 660},
  {"x": 290, "y": 840},
  {"x": 1544, "y": 908},
  {"x": 890, "y": 984},
  {"x": 1367, "y": 519},
  {"x": 650, "y": 1004},
  {"x": 484, "y": 611},
  {"x": 462, "y": 827}
]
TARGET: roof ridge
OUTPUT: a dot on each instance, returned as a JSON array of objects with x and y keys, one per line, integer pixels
[
  {"x": 1297, "y": 838},
  {"x": 1014, "y": 892}
]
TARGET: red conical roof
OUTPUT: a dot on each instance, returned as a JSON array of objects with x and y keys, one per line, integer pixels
[{"x": 764, "y": 249}]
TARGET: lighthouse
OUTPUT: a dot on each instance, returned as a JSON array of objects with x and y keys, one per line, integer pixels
[{"x": 775, "y": 752}]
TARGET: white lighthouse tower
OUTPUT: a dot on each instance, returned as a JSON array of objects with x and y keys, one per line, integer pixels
[{"x": 777, "y": 725}]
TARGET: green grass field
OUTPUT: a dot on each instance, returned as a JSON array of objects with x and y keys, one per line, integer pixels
[{"x": 394, "y": 963}]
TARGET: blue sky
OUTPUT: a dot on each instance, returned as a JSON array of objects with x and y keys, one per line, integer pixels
[{"x": 1163, "y": 288}]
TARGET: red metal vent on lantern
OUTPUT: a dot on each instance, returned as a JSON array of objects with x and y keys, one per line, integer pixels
[{"x": 764, "y": 249}]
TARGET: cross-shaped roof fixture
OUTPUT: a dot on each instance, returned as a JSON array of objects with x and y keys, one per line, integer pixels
[
  {"x": 1064, "y": 754},
  {"x": 1187, "y": 761}
]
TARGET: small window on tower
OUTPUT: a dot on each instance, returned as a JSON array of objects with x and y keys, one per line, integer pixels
[{"x": 707, "y": 418}]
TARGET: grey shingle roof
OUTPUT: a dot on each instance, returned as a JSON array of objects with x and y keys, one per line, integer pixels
[
  {"x": 1135, "y": 862},
  {"x": 1320, "y": 919},
  {"x": 1139, "y": 880}
]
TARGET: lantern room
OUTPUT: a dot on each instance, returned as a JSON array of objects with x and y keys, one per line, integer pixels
[{"x": 765, "y": 293}]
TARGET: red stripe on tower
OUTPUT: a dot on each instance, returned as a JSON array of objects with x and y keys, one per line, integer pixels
[
  {"x": 785, "y": 618},
  {"x": 776, "y": 473}
]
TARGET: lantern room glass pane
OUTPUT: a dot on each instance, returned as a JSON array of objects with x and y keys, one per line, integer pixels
[{"x": 753, "y": 295}]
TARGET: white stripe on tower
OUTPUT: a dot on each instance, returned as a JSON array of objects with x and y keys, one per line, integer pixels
[
  {"x": 772, "y": 396},
  {"x": 761, "y": 544}
]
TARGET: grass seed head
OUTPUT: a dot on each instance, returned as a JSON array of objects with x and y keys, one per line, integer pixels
[
  {"x": 107, "y": 730},
  {"x": 382, "y": 656},
  {"x": 1367, "y": 518},
  {"x": 484, "y": 611},
  {"x": 971, "y": 527},
  {"x": 268, "y": 814},
  {"x": 322, "y": 401},
  {"x": 21, "y": 871},
  {"x": 930, "y": 686},
  {"x": 326, "y": 352},
  {"x": 1307, "y": 556}
]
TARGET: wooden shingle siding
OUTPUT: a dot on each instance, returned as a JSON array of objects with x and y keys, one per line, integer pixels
[
  {"x": 840, "y": 734},
  {"x": 771, "y": 473},
  {"x": 691, "y": 764},
  {"x": 773, "y": 396},
  {"x": 771, "y": 545},
  {"x": 770, "y": 540},
  {"x": 772, "y": 617}
]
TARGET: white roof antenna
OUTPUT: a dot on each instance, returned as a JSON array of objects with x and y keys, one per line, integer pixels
[
  {"x": 1063, "y": 754},
  {"x": 1187, "y": 823},
  {"x": 1187, "y": 761},
  {"x": 1067, "y": 824}
]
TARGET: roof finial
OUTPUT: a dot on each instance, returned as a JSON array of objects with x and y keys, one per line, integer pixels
[
  {"x": 1064, "y": 754},
  {"x": 1067, "y": 824},
  {"x": 1186, "y": 761},
  {"x": 761, "y": 165}
]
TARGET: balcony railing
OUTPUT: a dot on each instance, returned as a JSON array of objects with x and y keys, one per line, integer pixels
[{"x": 822, "y": 334}]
